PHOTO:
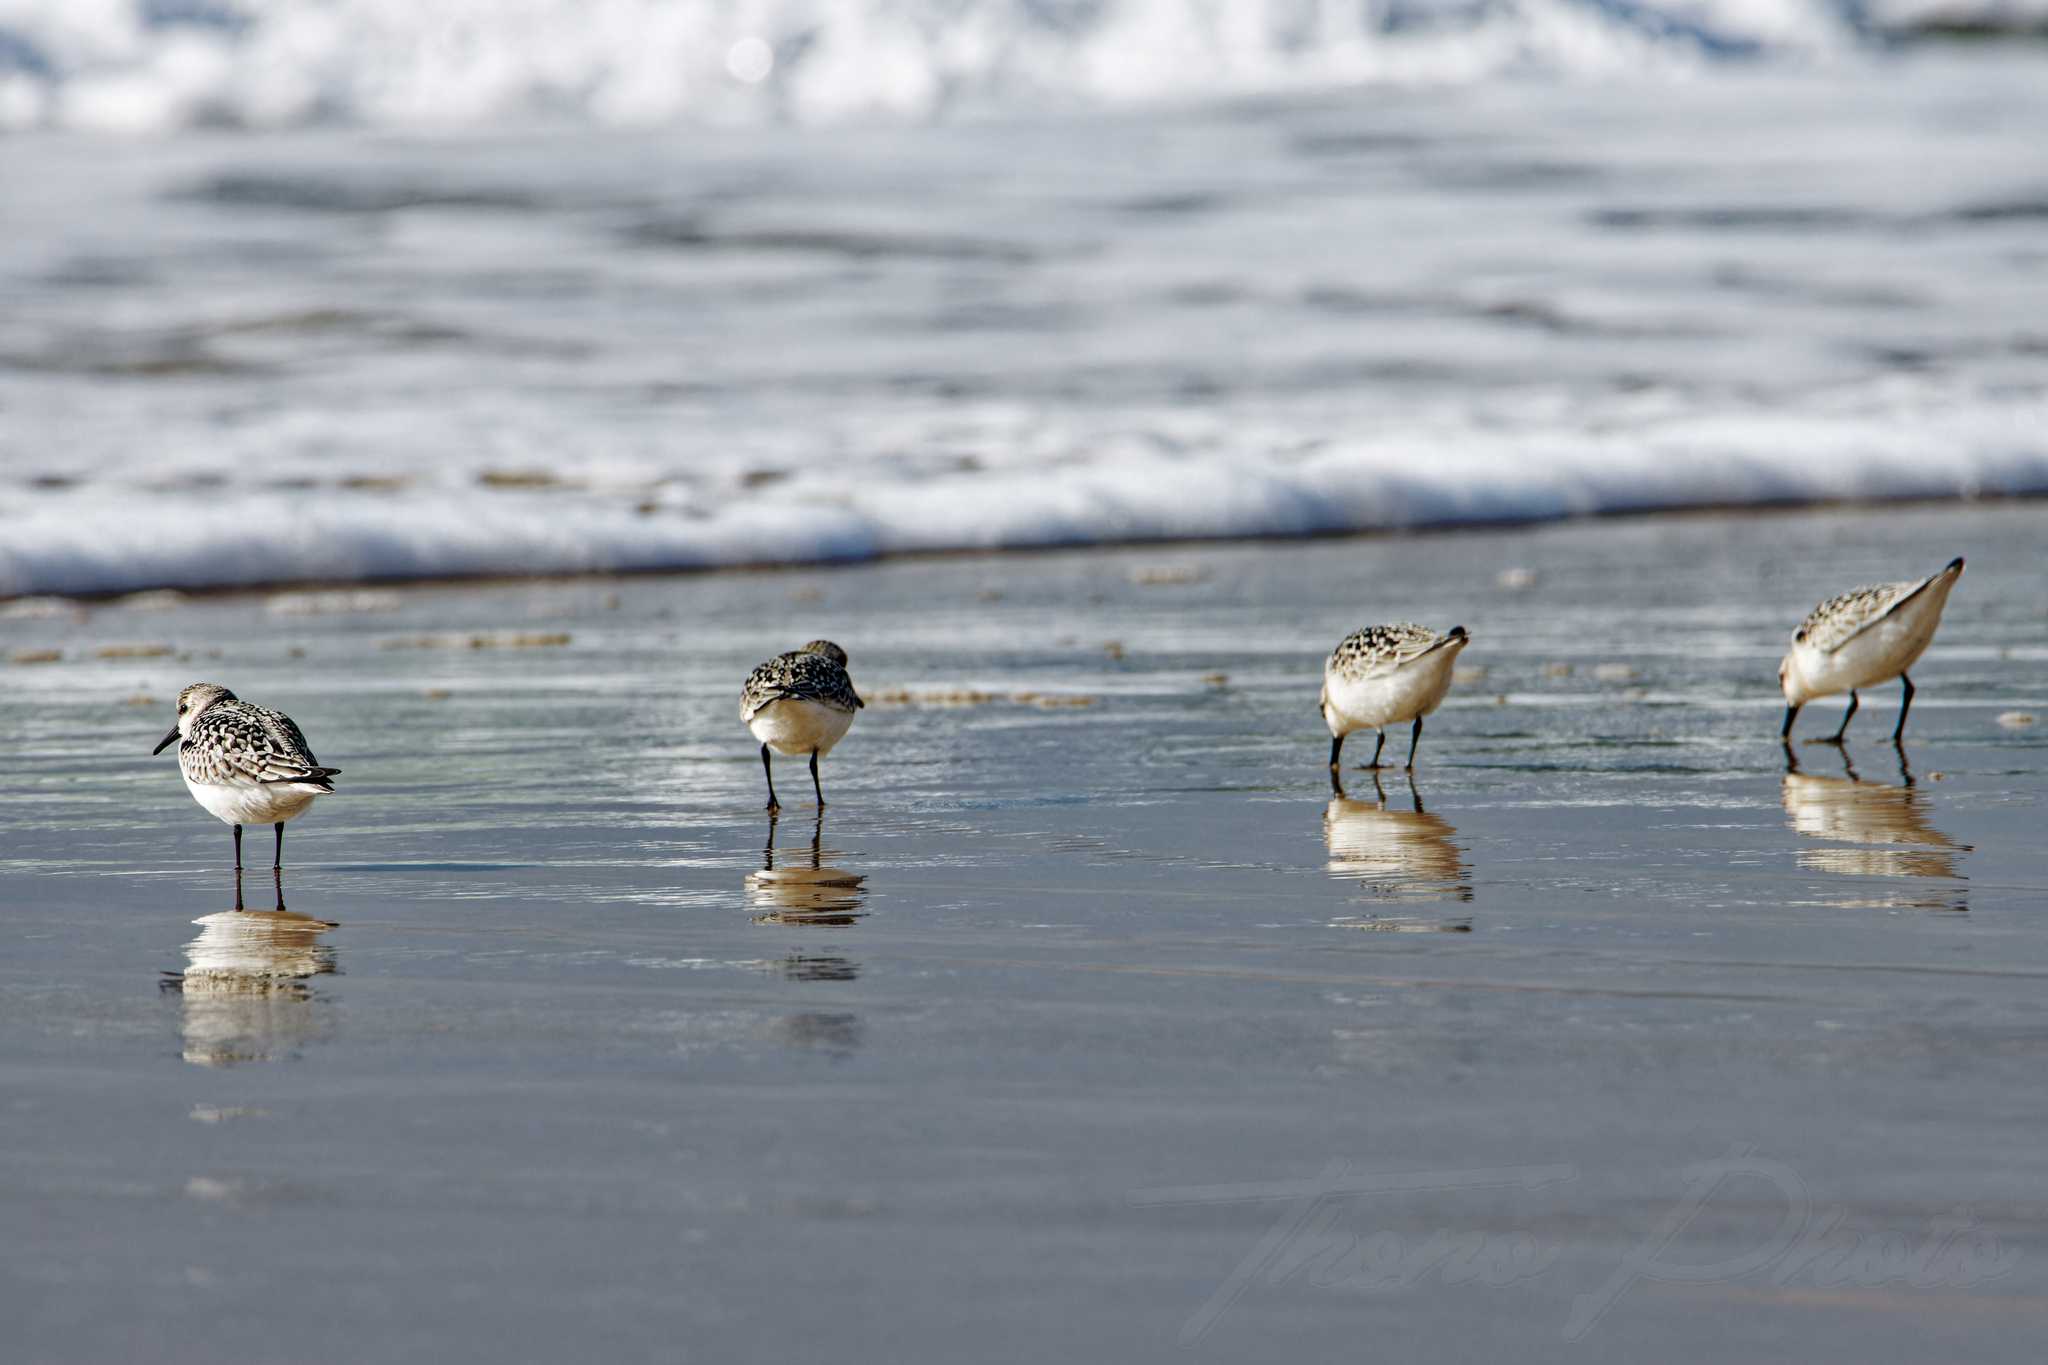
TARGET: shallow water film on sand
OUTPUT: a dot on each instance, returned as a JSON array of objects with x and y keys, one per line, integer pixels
[{"x": 1086, "y": 1021}]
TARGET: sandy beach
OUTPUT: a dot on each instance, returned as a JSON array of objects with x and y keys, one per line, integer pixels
[{"x": 1085, "y": 1022}]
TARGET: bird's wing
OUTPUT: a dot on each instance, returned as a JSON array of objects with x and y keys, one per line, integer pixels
[
  {"x": 235, "y": 744},
  {"x": 798, "y": 677},
  {"x": 1839, "y": 620},
  {"x": 1382, "y": 649}
]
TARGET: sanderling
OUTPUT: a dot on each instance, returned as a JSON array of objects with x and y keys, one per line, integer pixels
[
  {"x": 800, "y": 703},
  {"x": 1863, "y": 638},
  {"x": 246, "y": 764},
  {"x": 1383, "y": 675}
]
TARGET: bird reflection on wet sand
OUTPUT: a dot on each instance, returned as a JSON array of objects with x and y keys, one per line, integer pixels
[
  {"x": 1396, "y": 855},
  {"x": 244, "y": 987},
  {"x": 1886, "y": 825},
  {"x": 805, "y": 890},
  {"x": 801, "y": 888}
]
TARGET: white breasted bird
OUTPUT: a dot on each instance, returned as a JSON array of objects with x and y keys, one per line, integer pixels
[
  {"x": 1863, "y": 638},
  {"x": 1384, "y": 675},
  {"x": 247, "y": 765},
  {"x": 800, "y": 703}
]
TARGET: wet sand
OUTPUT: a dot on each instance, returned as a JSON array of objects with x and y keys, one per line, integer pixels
[{"x": 1008, "y": 1055}]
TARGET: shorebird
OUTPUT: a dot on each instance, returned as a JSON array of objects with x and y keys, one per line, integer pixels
[
  {"x": 1860, "y": 639},
  {"x": 800, "y": 703},
  {"x": 246, "y": 764},
  {"x": 1383, "y": 675}
]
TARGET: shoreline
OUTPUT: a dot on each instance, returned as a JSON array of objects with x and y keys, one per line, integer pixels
[{"x": 442, "y": 582}]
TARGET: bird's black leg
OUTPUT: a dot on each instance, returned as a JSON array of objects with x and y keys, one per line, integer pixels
[
  {"x": 1336, "y": 748},
  {"x": 769, "y": 769},
  {"x": 1791, "y": 714},
  {"x": 277, "y": 880},
  {"x": 1847, "y": 716},
  {"x": 1377, "y": 749},
  {"x": 816, "y": 790},
  {"x": 278, "y": 860},
  {"x": 238, "y": 848},
  {"x": 1905, "y": 705},
  {"x": 238, "y": 888},
  {"x": 1414, "y": 738}
]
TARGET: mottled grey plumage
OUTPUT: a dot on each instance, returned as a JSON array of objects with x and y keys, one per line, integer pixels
[
  {"x": 245, "y": 765},
  {"x": 1839, "y": 620},
  {"x": 1381, "y": 649},
  {"x": 236, "y": 744},
  {"x": 815, "y": 673}
]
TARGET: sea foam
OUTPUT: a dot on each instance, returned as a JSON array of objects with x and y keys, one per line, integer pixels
[{"x": 146, "y": 66}]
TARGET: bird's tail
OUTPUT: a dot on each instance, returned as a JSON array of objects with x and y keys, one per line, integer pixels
[{"x": 320, "y": 779}]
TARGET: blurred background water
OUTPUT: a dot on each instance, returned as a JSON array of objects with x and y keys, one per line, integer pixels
[{"x": 379, "y": 290}]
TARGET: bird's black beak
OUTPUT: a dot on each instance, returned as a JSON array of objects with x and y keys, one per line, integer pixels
[{"x": 168, "y": 741}]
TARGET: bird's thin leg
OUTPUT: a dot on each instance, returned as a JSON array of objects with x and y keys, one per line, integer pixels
[
  {"x": 1414, "y": 738},
  {"x": 1847, "y": 716},
  {"x": 238, "y": 848},
  {"x": 1336, "y": 748},
  {"x": 1791, "y": 714},
  {"x": 238, "y": 888},
  {"x": 278, "y": 860},
  {"x": 816, "y": 790},
  {"x": 1376, "y": 751},
  {"x": 277, "y": 878},
  {"x": 769, "y": 769},
  {"x": 1905, "y": 705}
]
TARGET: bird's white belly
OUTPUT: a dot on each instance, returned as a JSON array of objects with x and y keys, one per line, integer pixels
[
  {"x": 251, "y": 805},
  {"x": 1883, "y": 652},
  {"x": 793, "y": 726},
  {"x": 1415, "y": 689}
]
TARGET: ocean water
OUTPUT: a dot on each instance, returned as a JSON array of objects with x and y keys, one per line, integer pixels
[{"x": 1734, "y": 255}]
